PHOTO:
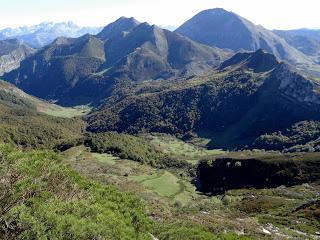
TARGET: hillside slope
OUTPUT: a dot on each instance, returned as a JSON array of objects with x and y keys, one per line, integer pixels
[
  {"x": 249, "y": 95},
  {"x": 223, "y": 29},
  {"x": 12, "y": 52},
  {"x": 22, "y": 124},
  {"x": 83, "y": 69}
]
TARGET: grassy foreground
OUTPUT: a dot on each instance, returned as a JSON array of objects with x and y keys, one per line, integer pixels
[{"x": 41, "y": 198}]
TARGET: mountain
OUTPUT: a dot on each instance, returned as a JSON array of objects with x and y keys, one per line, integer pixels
[
  {"x": 223, "y": 29},
  {"x": 83, "y": 69},
  {"x": 149, "y": 52},
  {"x": 249, "y": 95},
  {"x": 43, "y": 34},
  {"x": 122, "y": 24},
  {"x": 12, "y": 52},
  {"x": 306, "y": 41},
  {"x": 59, "y": 67},
  {"x": 305, "y": 32}
]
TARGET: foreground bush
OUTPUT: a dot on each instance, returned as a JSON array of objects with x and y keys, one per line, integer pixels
[{"x": 41, "y": 198}]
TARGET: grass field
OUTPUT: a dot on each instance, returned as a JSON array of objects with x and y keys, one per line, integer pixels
[
  {"x": 66, "y": 112},
  {"x": 142, "y": 177},
  {"x": 163, "y": 183},
  {"x": 180, "y": 149},
  {"x": 105, "y": 158}
]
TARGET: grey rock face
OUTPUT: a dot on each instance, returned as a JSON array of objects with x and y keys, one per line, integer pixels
[
  {"x": 297, "y": 87},
  {"x": 11, "y": 54}
]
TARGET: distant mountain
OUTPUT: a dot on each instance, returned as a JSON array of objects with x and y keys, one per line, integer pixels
[
  {"x": 43, "y": 34},
  {"x": 306, "y": 41},
  {"x": 59, "y": 67},
  {"x": 305, "y": 32},
  {"x": 249, "y": 95},
  {"x": 124, "y": 51},
  {"x": 223, "y": 29},
  {"x": 12, "y": 52}
]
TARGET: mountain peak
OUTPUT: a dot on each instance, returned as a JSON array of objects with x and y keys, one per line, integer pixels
[
  {"x": 127, "y": 19},
  {"x": 259, "y": 61},
  {"x": 215, "y": 11},
  {"x": 122, "y": 24}
]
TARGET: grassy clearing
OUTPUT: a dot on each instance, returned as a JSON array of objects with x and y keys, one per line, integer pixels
[
  {"x": 65, "y": 112},
  {"x": 180, "y": 149},
  {"x": 105, "y": 158},
  {"x": 165, "y": 184},
  {"x": 141, "y": 178}
]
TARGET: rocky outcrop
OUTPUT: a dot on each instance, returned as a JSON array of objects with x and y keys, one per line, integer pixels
[
  {"x": 12, "y": 54},
  {"x": 296, "y": 86}
]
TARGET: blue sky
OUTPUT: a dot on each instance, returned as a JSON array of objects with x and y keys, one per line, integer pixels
[{"x": 280, "y": 14}]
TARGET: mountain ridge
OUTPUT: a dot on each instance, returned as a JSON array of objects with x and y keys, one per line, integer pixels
[
  {"x": 220, "y": 28},
  {"x": 71, "y": 66},
  {"x": 38, "y": 36},
  {"x": 236, "y": 104}
]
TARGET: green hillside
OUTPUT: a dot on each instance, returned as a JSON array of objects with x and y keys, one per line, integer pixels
[
  {"x": 22, "y": 124},
  {"x": 251, "y": 95}
]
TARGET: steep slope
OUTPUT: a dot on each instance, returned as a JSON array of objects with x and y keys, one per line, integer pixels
[
  {"x": 73, "y": 70},
  {"x": 56, "y": 69},
  {"x": 149, "y": 52},
  {"x": 249, "y": 95},
  {"x": 122, "y": 24},
  {"x": 43, "y": 34},
  {"x": 223, "y": 29},
  {"x": 22, "y": 124},
  {"x": 12, "y": 52}
]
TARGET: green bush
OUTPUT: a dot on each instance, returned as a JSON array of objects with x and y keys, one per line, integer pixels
[
  {"x": 41, "y": 198},
  {"x": 190, "y": 231},
  {"x": 124, "y": 146},
  {"x": 26, "y": 128}
]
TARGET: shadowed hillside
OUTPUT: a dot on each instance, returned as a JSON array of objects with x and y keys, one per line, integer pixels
[
  {"x": 82, "y": 70},
  {"x": 251, "y": 94}
]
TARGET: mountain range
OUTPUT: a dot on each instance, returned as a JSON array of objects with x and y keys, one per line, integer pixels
[
  {"x": 249, "y": 95},
  {"x": 43, "y": 34},
  {"x": 306, "y": 41},
  {"x": 223, "y": 29},
  {"x": 208, "y": 132},
  {"x": 125, "y": 50},
  {"x": 208, "y": 78}
]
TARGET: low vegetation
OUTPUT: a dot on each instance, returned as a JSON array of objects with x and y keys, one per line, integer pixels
[
  {"x": 124, "y": 146},
  {"x": 28, "y": 129},
  {"x": 41, "y": 198}
]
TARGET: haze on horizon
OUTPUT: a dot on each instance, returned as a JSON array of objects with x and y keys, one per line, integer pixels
[{"x": 272, "y": 14}]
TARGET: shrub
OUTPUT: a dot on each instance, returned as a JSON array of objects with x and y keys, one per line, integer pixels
[{"x": 44, "y": 199}]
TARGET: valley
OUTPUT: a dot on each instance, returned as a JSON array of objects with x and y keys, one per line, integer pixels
[
  {"x": 131, "y": 131},
  {"x": 171, "y": 198}
]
